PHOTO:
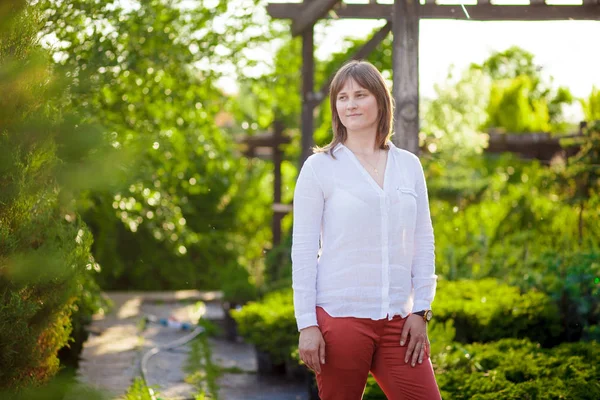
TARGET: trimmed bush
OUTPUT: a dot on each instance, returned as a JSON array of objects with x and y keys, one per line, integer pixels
[
  {"x": 270, "y": 325},
  {"x": 465, "y": 311},
  {"x": 519, "y": 369},
  {"x": 486, "y": 310},
  {"x": 513, "y": 369}
]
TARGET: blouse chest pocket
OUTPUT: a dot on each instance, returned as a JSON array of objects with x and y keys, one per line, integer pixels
[
  {"x": 405, "y": 193},
  {"x": 404, "y": 209}
]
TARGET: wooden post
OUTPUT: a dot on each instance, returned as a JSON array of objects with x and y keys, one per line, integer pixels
[
  {"x": 308, "y": 87},
  {"x": 277, "y": 158},
  {"x": 406, "y": 74}
]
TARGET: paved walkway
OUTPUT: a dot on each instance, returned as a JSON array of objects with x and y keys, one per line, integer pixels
[{"x": 111, "y": 356}]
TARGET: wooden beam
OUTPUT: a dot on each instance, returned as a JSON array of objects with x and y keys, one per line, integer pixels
[
  {"x": 361, "y": 53},
  {"x": 479, "y": 12},
  {"x": 308, "y": 87},
  {"x": 311, "y": 12},
  {"x": 406, "y": 74},
  {"x": 277, "y": 159}
]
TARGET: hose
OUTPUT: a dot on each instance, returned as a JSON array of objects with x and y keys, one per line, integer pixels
[{"x": 168, "y": 346}]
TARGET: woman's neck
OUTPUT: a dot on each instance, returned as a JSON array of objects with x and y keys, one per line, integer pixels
[{"x": 361, "y": 143}]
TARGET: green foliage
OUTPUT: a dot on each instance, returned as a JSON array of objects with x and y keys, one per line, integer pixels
[
  {"x": 62, "y": 387},
  {"x": 486, "y": 310},
  {"x": 270, "y": 324},
  {"x": 150, "y": 78},
  {"x": 513, "y": 369},
  {"x": 572, "y": 280},
  {"x": 591, "y": 105},
  {"x": 513, "y": 108},
  {"x": 278, "y": 265},
  {"x": 579, "y": 177},
  {"x": 517, "y": 369},
  {"x": 139, "y": 391},
  {"x": 493, "y": 214},
  {"x": 203, "y": 373},
  {"x": 234, "y": 282},
  {"x": 45, "y": 262},
  {"x": 452, "y": 120},
  {"x": 521, "y": 99}
]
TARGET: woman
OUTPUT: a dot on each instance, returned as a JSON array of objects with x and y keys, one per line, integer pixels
[{"x": 363, "y": 305}]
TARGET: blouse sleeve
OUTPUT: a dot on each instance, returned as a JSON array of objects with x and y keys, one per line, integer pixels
[
  {"x": 307, "y": 215},
  {"x": 424, "y": 279}
]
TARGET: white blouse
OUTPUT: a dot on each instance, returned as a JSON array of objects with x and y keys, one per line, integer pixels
[{"x": 376, "y": 255}]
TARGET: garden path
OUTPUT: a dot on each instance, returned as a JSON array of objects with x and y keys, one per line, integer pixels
[{"x": 111, "y": 356}]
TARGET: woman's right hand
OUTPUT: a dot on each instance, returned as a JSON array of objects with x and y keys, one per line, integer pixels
[{"x": 312, "y": 348}]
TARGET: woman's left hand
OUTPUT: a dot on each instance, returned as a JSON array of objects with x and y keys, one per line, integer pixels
[{"x": 418, "y": 347}]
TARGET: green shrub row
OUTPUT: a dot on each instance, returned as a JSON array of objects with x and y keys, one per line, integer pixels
[
  {"x": 520, "y": 369},
  {"x": 479, "y": 311}
]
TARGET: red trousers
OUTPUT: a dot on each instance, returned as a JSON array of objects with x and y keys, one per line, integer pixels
[{"x": 356, "y": 346}]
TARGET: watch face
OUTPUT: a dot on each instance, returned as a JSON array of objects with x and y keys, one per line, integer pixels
[{"x": 428, "y": 315}]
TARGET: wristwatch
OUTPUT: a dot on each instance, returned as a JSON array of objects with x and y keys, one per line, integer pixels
[{"x": 426, "y": 314}]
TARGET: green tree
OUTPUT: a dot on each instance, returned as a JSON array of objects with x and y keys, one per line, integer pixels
[
  {"x": 591, "y": 105},
  {"x": 520, "y": 82},
  {"x": 46, "y": 266},
  {"x": 150, "y": 73}
]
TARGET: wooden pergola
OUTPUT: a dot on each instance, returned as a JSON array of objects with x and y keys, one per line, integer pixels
[{"x": 403, "y": 21}]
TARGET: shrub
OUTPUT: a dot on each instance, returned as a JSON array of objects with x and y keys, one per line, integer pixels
[
  {"x": 572, "y": 281},
  {"x": 513, "y": 369},
  {"x": 270, "y": 325},
  {"x": 485, "y": 310},
  {"x": 519, "y": 369}
]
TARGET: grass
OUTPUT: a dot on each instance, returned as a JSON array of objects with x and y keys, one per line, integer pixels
[
  {"x": 139, "y": 391},
  {"x": 203, "y": 373}
]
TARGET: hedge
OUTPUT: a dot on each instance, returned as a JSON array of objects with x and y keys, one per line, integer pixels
[
  {"x": 480, "y": 311},
  {"x": 487, "y": 310},
  {"x": 513, "y": 369}
]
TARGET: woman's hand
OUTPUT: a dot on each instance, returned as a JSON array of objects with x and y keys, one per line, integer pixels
[
  {"x": 311, "y": 347},
  {"x": 418, "y": 347}
]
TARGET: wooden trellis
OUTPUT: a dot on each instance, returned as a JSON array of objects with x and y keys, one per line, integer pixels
[{"x": 403, "y": 21}]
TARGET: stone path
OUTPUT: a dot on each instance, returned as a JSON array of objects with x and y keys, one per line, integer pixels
[
  {"x": 111, "y": 356},
  {"x": 249, "y": 385}
]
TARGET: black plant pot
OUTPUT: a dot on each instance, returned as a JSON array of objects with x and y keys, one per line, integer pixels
[
  {"x": 266, "y": 366},
  {"x": 295, "y": 371}
]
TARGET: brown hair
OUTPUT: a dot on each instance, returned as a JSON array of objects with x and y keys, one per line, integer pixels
[{"x": 367, "y": 76}]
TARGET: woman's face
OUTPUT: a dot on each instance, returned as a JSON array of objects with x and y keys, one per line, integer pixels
[{"x": 357, "y": 107}]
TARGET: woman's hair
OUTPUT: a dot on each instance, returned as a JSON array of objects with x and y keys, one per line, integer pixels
[{"x": 367, "y": 76}]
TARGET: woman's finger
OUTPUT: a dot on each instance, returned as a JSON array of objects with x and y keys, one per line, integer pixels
[
  {"x": 415, "y": 355},
  {"x": 422, "y": 352},
  {"x": 410, "y": 349},
  {"x": 314, "y": 357}
]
